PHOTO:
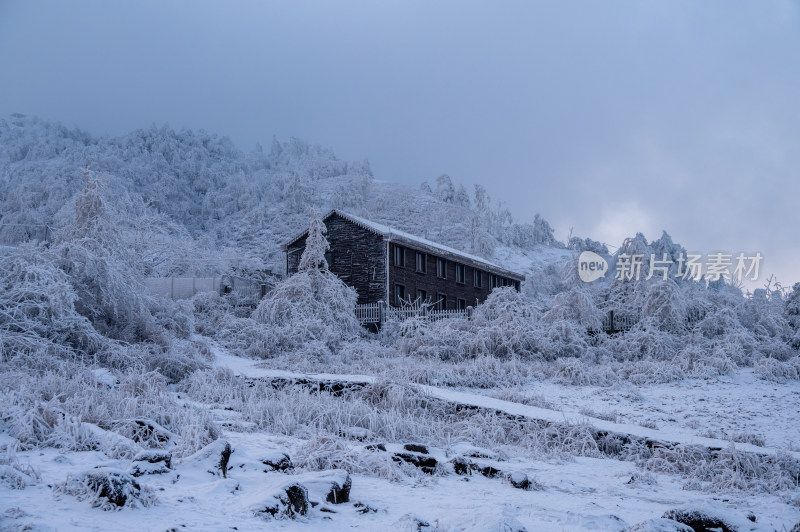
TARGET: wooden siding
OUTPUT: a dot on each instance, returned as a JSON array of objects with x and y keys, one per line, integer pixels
[
  {"x": 358, "y": 258},
  {"x": 431, "y": 283}
]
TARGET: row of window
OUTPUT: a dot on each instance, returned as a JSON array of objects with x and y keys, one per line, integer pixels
[
  {"x": 421, "y": 263},
  {"x": 422, "y": 297}
]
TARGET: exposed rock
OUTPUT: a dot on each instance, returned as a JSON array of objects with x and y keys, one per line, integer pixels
[
  {"x": 520, "y": 480},
  {"x": 470, "y": 451},
  {"x": 462, "y": 466},
  {"x": 487, "y": 470},
  {"x": 660, "y": 525},
  {"x": 287, "y": 502},
  {"x": 210, "y": 457},
  {"x": 702, "y": 520},
  {"x": 144, "y": 431},
  {"x": 364, "y": 508},
  {"x": 375, "y": 447},
  {"x": 416, "y": 448},
  {"x": 327, "y": 486},
  {"x": 151, "y": 462},
  {"x": 225, "y": 456},
  {"x": 277, "y": 461},
  {"x": 117, "y": 487},
  {"x": 426, "y": 463}
]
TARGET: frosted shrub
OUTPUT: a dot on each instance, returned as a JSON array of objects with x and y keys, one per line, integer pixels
[
  {"x": 774, "y": 370},
  {"x": 309, "y": 306},
  {"x": 645, "y": 341},
  {"x": 14, "y": 474},
  {"x": 564, "y": 339},
  {"x": 313, "y": 308},
  {"x": 664, "y": 304},
  {"x": 503, "y": 326},
  {"x": 69, "y": 409},
  {"x": 37, "y": 308},
  {"x": 650, "y": 372}
]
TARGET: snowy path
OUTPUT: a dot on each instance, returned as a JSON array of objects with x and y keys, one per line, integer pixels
[{"x": 252, "y": 369}]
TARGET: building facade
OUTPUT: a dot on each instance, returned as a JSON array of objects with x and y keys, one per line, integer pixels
[{"x": 385, "y": 264}]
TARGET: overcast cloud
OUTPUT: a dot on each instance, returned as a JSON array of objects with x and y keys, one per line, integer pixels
[{"x": 607, "y": 117}]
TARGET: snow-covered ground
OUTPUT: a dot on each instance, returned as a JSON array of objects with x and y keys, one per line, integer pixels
[
  {"x": 722, "y": 407},
  {"x": 577, "y": 493}
]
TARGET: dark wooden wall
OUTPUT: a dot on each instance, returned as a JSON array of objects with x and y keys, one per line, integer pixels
[
  {"x": 358, "y": 258},
  {"x": 433, "y": 284}
]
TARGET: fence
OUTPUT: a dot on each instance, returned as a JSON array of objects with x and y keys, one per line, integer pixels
[
  {"x": 242, "y": 291},
  {"x": 619, "y": 321},
  {"x": 378, "y": 313},
  {"x": 14, "y": 234}
]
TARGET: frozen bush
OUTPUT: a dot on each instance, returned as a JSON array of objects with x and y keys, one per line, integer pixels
[
  {"x": 309, "y": 306},
  {"x": 770, "y": 369},
  {"x": 108, "y": 489},
  {"x": 313, "y": 308}
]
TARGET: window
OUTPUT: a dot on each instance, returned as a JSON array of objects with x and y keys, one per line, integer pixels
[
  {"x": 460, "y": 273},
  {"x": 516, "y": 285},
  {"x": 421, "y": 262},
  {"x": 441, "y": 268},
  {"x": 399, "y": 256},
  {"x": 441, "y": 304},
  {"x": 399, "y": 294},
  {"x": 462, "y": 304},
  {"x": 477, "y": 278},
  {"x": 494, "y": 282},
  {"x": 329, "y": 258},
  {"x": 422, "y": 296}
]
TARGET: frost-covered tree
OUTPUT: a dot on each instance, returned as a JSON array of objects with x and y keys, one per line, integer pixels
[
  {"x": 92, "y": 251},
  {"x": 313, "y": 257},
  {"x": 462, "y": 197},
  {"x": 444, "y": 189},
  {"x": 297, "y": 193}
]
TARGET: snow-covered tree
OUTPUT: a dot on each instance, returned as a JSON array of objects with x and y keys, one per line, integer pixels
[
  {"x": 313, "y": 257},
  {"x": 462, "y": 197},
  {"x": 444, "y": 189}
]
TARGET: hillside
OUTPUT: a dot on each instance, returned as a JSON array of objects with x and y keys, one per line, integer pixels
[
  {"x": 195, "y": 192},
  {"x": 525, "y": 414}
]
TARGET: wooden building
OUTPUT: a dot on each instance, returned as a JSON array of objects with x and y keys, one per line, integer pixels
[{"x": 384, "y": 264}]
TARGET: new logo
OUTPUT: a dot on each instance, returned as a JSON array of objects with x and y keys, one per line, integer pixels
[{"x": 591, "y": 266}]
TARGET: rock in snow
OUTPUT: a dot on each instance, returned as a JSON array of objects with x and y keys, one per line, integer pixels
[
  {"x": 426, "y": 463},
  {"x": 151, "y": 462},
  {"x": 519, "y": 480},
  {"x": 660, "y": 525},
  {"x": 327, "y": 486},
  {"x": 416, "y": 448},
  {"x": 708, "y": 518},
  {"x": 287, "y": 502},
  {"x": 117, "y": 487},
  {"x": 277, "y": 461}
]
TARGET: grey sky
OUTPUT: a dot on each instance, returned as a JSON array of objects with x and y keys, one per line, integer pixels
[{"x": 609, "y": 117}]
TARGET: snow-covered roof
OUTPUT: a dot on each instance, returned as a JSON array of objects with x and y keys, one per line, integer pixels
[{"x": 401, "y": 237}]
